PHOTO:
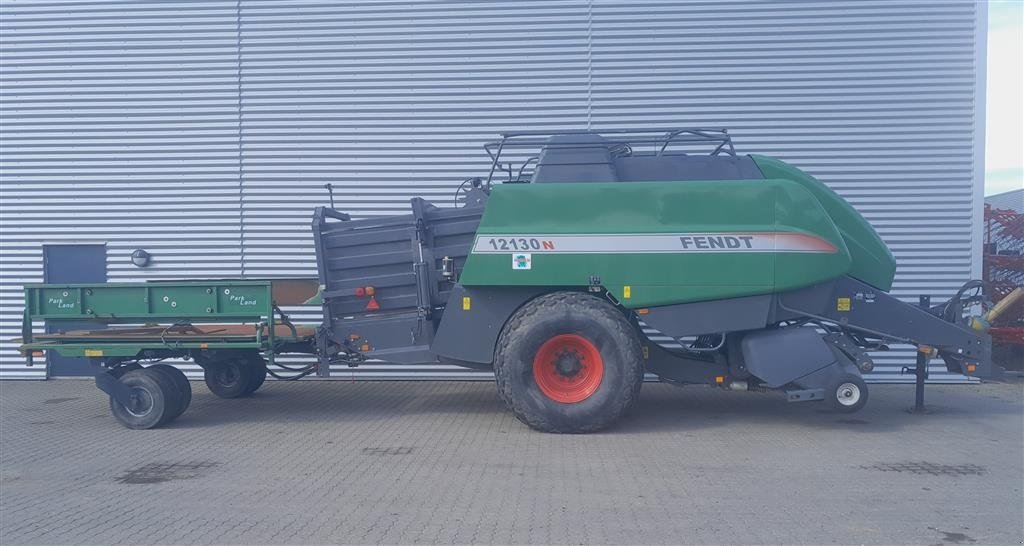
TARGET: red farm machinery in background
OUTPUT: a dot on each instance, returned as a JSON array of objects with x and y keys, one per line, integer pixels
[{"x": 1003, "y": 264}]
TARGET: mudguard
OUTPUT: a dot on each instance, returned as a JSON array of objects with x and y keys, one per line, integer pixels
[{"x": 473, "y": 319}]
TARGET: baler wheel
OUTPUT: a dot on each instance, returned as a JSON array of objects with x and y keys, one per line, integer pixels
[
  {"x": 155, "y": 399},
  {"x": 568, "y": 362},
  {"x": 228, "y": 378},
  {"x": 847, "y": 394}
]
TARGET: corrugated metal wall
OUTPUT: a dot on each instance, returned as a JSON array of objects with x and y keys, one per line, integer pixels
[
  {"x": 119, "y": 126},
  {"x": 260, "y": 106}
]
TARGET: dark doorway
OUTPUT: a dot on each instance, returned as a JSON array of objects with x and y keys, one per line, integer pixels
[{"x": 72, "y": 264}]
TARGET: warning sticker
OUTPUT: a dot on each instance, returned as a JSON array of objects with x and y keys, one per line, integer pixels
[
  {"x": 842, "y": 304},
  {"x": 522, "y": 261}
]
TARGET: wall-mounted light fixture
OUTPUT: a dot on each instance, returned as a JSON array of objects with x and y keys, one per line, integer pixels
[{"x": 140, "y": 258}]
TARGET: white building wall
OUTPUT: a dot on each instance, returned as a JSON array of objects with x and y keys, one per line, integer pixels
[{"x": 250, "y": 108}]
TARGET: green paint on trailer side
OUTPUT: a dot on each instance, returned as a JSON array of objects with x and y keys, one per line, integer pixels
[
  {"x": 203, "y": 300},
  {"x": 741, "y": 206},
  {"x": 873, "y": 263},
  {"x": 160, "y": 302}
]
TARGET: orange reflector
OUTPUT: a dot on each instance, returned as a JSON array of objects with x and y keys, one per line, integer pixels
[
  {"x": 719, "y": 379},
  {"x": 370, "y": 290},
  {"x": 364, "y": 347},
  {"x": 204, "y": 345},
  {"x": 924, "y": 349},
  {"x": 372, "y": 305},
  {"x": 971, "y": 368},
  {"x": 37, "y": 353},
  {"x": 354, "y": 337},
  {"x": 642, "y": 311}
]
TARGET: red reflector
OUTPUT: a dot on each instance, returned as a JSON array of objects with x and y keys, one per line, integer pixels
[
  {"x": 372, "y": 305},
  {"x": 360, "y": 291}
]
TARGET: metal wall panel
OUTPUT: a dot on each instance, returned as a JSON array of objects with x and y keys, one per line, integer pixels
[
  {"x": 385, "y": 100},
  {"x": 120, "y": 126}
]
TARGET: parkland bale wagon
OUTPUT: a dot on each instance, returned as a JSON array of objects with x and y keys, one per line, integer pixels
[{"x": 551, "y": 270}]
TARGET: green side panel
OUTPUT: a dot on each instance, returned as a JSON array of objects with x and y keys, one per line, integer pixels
[
  {"x": 658, "y": 208},
  {"x": 195, "y": 300},
  {"x": 873, "y": 263},
  {"x": 59, "y": 302}
]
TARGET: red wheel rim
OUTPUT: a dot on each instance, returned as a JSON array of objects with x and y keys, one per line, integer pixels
[{"x": 568, "y": 368}]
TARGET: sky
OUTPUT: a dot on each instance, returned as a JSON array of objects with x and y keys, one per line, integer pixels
[{"x": 1004, "y": 122}]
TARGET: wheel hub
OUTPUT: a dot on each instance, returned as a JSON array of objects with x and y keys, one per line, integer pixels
[
  {"x": 568, "y": 364},
  {"x": 140, "y": 402},
  {"x": 848, "y": 394},
  {"x": 568, "y": 368},
  {"x": 228, "y": 374}
]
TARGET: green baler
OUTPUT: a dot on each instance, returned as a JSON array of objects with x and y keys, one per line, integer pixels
[{"x": 558, "y": 269}]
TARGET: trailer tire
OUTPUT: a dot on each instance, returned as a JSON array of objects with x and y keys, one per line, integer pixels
[
  {"x": 258, "y": 371},
  {"x": 568, "y": 362},
  {"x": 158, "y": 399},
  {"x": 847, "y": 394},
  {"x": 228, "y": 378},
  {"x": 181, "y": 384}
]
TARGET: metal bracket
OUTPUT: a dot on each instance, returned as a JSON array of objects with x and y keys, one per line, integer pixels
[
  {"x": 117, "y": 390},
  {"x": 805, "y": 395}
]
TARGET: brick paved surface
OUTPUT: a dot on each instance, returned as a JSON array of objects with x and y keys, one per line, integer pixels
[{"x": 393, "y": 462}]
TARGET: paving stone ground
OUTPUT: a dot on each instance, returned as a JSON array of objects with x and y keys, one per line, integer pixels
[{"x": 443, "y": 462}]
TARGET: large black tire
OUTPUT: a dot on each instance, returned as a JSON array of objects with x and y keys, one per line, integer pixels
[
  {"x": 847, "y": 394},
  {"x": 563, "y": 319},
  {"x": 258, "y": 374},
  {"x": 228, "y": 378},
  {"x": 181, "y": 383},
  {"x": 158, "y": 395}
]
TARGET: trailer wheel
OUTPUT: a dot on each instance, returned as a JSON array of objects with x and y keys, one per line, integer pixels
[
  {"x": 258, "y": 370},
  {"x": 154, "y": 399},
  {"x": 568, "y": 362},
  {"x": 181, "y": 385},
  {"x": 228, "y": 378},
  {"x": 847, "y": 394}
]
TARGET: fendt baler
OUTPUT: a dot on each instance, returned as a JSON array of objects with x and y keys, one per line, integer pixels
[{"x": 557, "y": 269}]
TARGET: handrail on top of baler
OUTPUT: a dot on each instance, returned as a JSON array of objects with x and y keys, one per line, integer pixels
[{"x": 660, "y": 138}]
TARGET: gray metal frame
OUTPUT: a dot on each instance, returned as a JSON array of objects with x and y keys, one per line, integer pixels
[{"x": 660, "y": 139}]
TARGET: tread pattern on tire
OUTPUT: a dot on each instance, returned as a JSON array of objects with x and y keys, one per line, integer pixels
[
  {"x": 258, "y": 374},
  {"x": 181, "y": 383},
  {"x": 546, "y": 306}
]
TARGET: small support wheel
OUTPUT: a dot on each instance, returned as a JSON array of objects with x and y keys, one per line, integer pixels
[
  {"x": 181, "y": 384},
  {"x": 847, "y": 394},
  {"x": 229, "y": 378},
  {"x": 258, "y": 370},
  {"x": 154, "y": 399}
]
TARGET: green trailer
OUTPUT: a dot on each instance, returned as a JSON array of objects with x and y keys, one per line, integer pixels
[{"x": 233, "y": 328}]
